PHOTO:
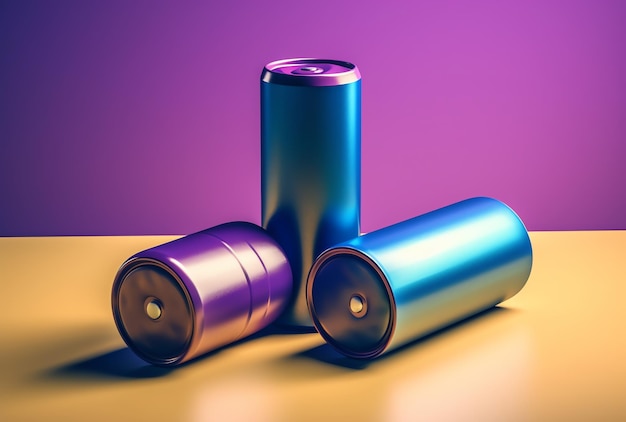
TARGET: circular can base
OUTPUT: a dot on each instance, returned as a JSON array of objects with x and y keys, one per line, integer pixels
[
  {"x": 351, "y": 303},
  {"x": 153, "y": 311}
]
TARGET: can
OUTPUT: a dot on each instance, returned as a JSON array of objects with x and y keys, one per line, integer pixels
[
  {"x": 181, "y": 299},
  {"x": 310, "y": 162},
  {"x": 374, "y": 293}
]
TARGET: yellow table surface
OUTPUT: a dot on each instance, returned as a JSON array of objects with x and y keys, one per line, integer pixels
[{"x": 555, "y": 351}]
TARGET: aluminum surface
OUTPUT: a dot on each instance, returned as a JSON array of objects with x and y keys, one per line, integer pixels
[
  {"x": 179, "y": 300},
  {"x": 384, "y": 289},
  {"x": 310, "y": 72},
  {"x": 310, "y": 162}
]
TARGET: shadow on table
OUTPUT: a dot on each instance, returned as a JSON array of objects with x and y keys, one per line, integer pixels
[
  {"x": 327, "y": 354},
  {"x": 123, "y": 363}
]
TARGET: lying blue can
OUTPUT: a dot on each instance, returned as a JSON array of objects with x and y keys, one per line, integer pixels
[{"x": 386, "y": 288}]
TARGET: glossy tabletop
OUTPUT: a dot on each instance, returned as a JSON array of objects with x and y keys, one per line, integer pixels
[{"x": 555, "y": 351}]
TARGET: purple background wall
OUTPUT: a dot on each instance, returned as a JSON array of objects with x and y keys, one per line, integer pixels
[{"x": 143, "y": 117}]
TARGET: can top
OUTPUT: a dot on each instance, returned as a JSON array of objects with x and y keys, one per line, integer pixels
[{"x": 310, "y": 72}]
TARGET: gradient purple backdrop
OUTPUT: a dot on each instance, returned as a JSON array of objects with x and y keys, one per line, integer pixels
[{"x": 143, "y": 117}]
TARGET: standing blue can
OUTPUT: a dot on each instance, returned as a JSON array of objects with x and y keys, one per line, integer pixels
[
  {"x": 310, "y": 163},
  {"x": 384, "y": 289}
]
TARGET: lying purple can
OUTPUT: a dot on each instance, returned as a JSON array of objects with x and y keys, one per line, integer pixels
[{"x": 179, "y": 300}]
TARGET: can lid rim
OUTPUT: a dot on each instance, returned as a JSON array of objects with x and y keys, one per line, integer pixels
[{"x": 270, "y": 74}]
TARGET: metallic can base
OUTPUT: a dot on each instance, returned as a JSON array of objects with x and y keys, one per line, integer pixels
[
  {"x": 352, "y": 304},
  {"x": 154, "y": 312}
]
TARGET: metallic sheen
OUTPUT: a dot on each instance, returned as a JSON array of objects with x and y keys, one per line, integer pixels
[
  {"x": 299, "y": 72},
  {"x": 179, "y": 300},
  {"x": 418, "y": 276},
  {"x": 310, "y": 162}
]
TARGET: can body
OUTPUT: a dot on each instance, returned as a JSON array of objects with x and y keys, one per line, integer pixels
[
  {"x": 179, "y": 300},
  {"x": 310, "y": 163},
  {"x": 384, "y": 289}
]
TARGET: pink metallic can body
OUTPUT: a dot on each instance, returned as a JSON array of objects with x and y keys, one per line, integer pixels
[{"x": 179, "y": 300}]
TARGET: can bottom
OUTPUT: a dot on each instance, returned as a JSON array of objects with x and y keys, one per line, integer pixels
[
  {"x": 153, "y": 312},
  {"x": 350, "y": 304}
]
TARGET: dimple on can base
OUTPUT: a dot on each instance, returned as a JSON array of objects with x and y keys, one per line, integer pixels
[
  {"x": 310, "y": 162},
  {"x": 379, "y": 291},
  {"x": 179, "y": 300}
]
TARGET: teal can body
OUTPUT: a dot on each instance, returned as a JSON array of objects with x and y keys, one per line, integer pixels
[
  {"x": 310, "y": 163},
  {"x": 386, "y": 288}
]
